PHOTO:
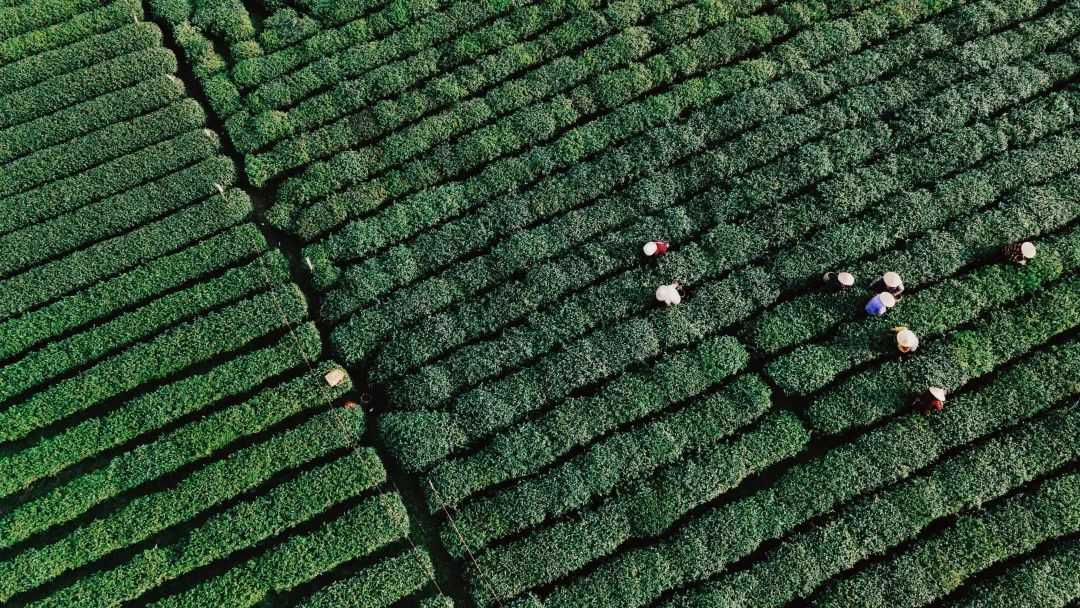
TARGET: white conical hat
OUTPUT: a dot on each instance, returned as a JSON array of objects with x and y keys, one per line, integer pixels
[
  {"x": 1028, "y": 250},
  {"x": 887, "y": 299},
  {"x": 845, "y": 279},
  {"x": 938, "y": 393},
  {"x": 649, "y": 248},
  {"x": 668, "y": 294},
  {"x": 907, "y": 339},
  {"x": 892, "y": 279}
]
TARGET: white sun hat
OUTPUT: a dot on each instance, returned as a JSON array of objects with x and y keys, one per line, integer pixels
[
  {"x": 649, "y": 248},
  {"x": 938, "y": 393},
  {"x": 907, "y": 339},
  {"x": 669, "y": 294},
  {"x": 887, "y": 299},
  {"x": 892, "y": 279},
  {"x": 845, "y": 279},
  {"x": 1027, "y": 249}
]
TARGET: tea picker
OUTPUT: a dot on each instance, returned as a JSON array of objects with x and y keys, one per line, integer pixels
[
  {"x": 880, "y": 304},
  {"x": 838, "y": 281},
  {"x": 929, "y": 401},
  {"x": 365, "y": 400},
  {"x": 1020, "y": 253},
  {"x": 669, "y": 294},
  {"x": 906, "y": 340},
  {"x": 655, "y": 248},
  {"x": 890, "y": 282},
  {"x": 334, "y": 377}
]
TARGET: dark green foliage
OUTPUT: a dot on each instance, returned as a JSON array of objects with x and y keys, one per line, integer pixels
[
  {"x": 43, "y": 283},
  {"x": 380, "y": 585},
  {"x": 437, "y": 602},
  {"x": 346, "y": 46},
  {"x": 143, "y": 415},
  {"x": 80, "y": 85},
  {"x": 305, "y": 125},
  {"x": 228, "y": 19},
  {"x": 373, "y": 523},
  {"x": 614, "y": 462},
  {"x": 420, "y": 438},
  {"x": 139, "y": 519},
  {"x": 130, "y": 288},
  {"x": 537, "y": 443},
  {"x": 471, "y": 183},
  {"x": 402, "y": 264},
  {"x": 37, "y": 367},
  {"x": 872, "y": 525},
  {"x": 719, "y": 303},
  {"x": 172, "y": 351},
  {"x": 39, "y": 14},
  {"x": 1024, "y": 213},
  {"x": 914, "y": 212},
  {"x": 29, "y": 71},
  {"x": 704, "y": 546},
  {"x": 518, "y": 131},
  {"x": 1048, "y": 579},
  {"x": 116, "y": 214},
  {"x": 117, "y": 177},
  {"x": 286, "y": 27},
  {"x": 277, "y": 509},
  {"x": 545, "y": 283},
  {"x": 164, "y": 405},
  {"x": 81, "y": 26},
  {"x": 209, "y": 67},
  {"x": 172, "y": 11},
  {"x": 933, "y": 568},
  {"x": 102, "y": 145},
  {"x": 642, "y": 510},
  {"x": 82, "y": 118}
]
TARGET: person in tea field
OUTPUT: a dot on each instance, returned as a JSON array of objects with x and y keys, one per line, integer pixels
[
  {"x": 906, "y": 340},
  {"x": 838, "y": 281},
  {"x": 880, "y": 304},
  {"x": 669, "y": 294},
  {"x": 890, "y": 282},
  {"x": 1020, "y": 253},
  {"x": 929, "y": 401},
  {"x": 655, "y": 248}
]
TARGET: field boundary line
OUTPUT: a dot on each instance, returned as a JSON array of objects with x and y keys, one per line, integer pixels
[
  {"x": 464, "y": 543},
  {"x": 355, "y": 447}
]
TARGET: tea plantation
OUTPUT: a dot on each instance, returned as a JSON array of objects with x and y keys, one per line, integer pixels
[{"x": 343, "y": 303}]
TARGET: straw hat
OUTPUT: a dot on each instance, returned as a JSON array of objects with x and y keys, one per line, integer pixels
[
  {"x": 892, "y": 279},
  {"x": 335, "y": 376},
  {"x": 649, "y": 248},
  {"x": 907, "y": 339},
  {"x": 1027, "y": 249},
  {"x": 938, "y": 393},
  {"x": 669, "y": 294},
  {"x": 887, "y": 299},
  {"x": 845, "y": 279}
]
